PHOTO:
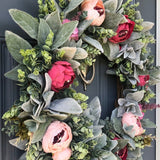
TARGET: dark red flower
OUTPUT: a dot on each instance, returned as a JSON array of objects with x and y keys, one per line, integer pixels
[
  {"x": 143, "y": 79},
  {"x": 122, "y": 154},
  {"x": 124, "y": 31},
  {"x": 62, "y": 75}
]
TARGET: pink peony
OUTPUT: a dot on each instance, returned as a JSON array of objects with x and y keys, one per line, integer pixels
[
  {"x": 57, "y": 137},
  {"x": 63, "y": 155},
  {"x": 95, "y": 11},
  {"x": 143, "y": 80},
  {"x": 130, "y": 119},
  {"x": 74, "y": 34},
  {"x": 62, "y": 75}
]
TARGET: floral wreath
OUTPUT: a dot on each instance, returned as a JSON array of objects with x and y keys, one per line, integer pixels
[{"x": 50, "y": 120}]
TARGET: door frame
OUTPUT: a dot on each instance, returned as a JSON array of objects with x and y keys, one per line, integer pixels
[{"x": 158, "y": 85}]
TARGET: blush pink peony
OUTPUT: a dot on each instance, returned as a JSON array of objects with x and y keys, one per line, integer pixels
[
  {"x": 130, "y": 119},
  {"x": 57, "y": 137},
  {"x": 75, "y": 32},
  {"x": 95, "y": 11},
  {"x": 63, "y": 155}
]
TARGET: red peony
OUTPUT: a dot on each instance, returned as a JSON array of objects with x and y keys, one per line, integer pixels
[
  {"x": 124, "y": 31},
  {"x": 62, "y": 75},
  {"x": 123, "y": 152},
  {"x": 143, "y": 79}
]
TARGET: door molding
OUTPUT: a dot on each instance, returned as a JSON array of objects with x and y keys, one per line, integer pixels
[{"x": 158, "y": 85}]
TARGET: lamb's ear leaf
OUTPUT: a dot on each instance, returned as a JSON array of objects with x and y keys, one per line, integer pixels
[
  {"x": 111, "y": 5},
  {"x": 15, "y": 44},
  {"x": 43, "y": 32},
  {"x": 20, "y": 144},
  {"x": 147, "y": 26},
  {"x": 72, "y": 5},
  {"x": 23, "y": 156},
  {"x": 64, "y": 33},
  {"x": 146, "y": 123},
  {"x": 54, "y": 21},
  {"x": 28, "y": 23},
  {"x": 13, "y": 74}
]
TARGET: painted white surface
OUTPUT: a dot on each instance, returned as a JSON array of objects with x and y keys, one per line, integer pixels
[{"x": 158, "y": 85}]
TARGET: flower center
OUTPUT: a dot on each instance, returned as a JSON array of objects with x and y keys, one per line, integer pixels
[
  {"x": 58, "y": 137},
  {"x": 99, "y": 10},
  {"x": 122, "y": 33}
]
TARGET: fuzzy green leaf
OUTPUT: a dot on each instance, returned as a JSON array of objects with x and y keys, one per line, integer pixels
[
  {"x": 111, "y": 5},
  {"x": 54, "y": 21},
  {"x": 64, "y": 33},
  {"x": 23, "y": 156},
  {"x": 15, "y": 44},
  {"x": 80, "y": 54},
  {"x": 20, "y": 144},
  {"x": 27, "y": 106},
  {"x": 73, "y": 4},
  {"x": 28, "y": 23},
  {"x": 43, "y": 32},
  {"x": 13, "y": 74},
  {"x": 147, "y": 26},
  {"x": 146, "y": 123}
]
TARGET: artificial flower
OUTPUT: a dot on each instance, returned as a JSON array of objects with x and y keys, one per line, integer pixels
[
  {"x": 57, "y": 137},
  {"x": 129, "y": 119},
  {"x": 74, "y": 35},
  {"x": 122, "y": 154},
  {"x": 63, "y": 155},
  {"x": 143, "y": 80},
  {"x": 95, "y": 11},
  {"x": 124, "y": 31},
  {"x": 62, "y": 75}
]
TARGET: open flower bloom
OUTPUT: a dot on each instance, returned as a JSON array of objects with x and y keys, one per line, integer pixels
[
  {"x": 122, "y": 154},
  {"x": 63, "y": 155},
  {"x": 124, "y": 31},
  {"x": 95, "y": 11},
  {"x": 130, "y": 119},
  {"x": 62, "y": 75},
  {"x": 143, "y": 79},
  {"x": 74, "y": 35},
  {"x": 57, "y": 137}
]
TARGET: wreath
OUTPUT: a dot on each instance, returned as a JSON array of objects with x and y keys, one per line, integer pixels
[{"x": 50, "y": 120}]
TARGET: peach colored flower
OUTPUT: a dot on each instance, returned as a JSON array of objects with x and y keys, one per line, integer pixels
[
  {"x": 95, "y": 11},
  {"x": 130, "y": 119},
  {"x": 57, "y": 137},
  {"x": 63, "y": 155}
]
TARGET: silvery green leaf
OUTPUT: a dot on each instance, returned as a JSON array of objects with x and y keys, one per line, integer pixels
[
  {"x": 39, "y": 119},
  {"x": 95, "y": 110},
  {"x": 64, "y": 33},
  {"x": 66, "y": 105},
  {"x": 74, "y": 64},
  {"x": 13, "y": 74},
  {"x": 112, "y": 20},
  {"x": 80, "y": 54},
  {"x": 43, "y": 32},
  {"x": 73, "y": 4},
  {"x": 97, "y": 131},
  {"x": 69, "y": 52},
  {"x": 57, "y": 6},
  {"x": 79, "y": 43},
  {"x": 147, "y": 26},
  {"x": 23, "y": 115},
  {"x": 47, "y": 96},
  {"x": 110, "y": 72},
  {"x": 119, "y": 4},
  {"x": 137, "y": 96},
  {"x": 111, "y": 5},
  {"x": 128, "y": 130},
  {"x": 111, "y": 50},
  {"x": 121, "y": 101},
  {"x": 126, "y": 91},
  {"x": 34, "y": 101},
  {"x": 117, "y": 125},
  {"x": 18, "y": 143},
  {"x": 56, "y": 115},
  {"x": 27, "y": 106},
  {"x": 135, "y": 153},
  {"x": 15, "y": 44},
  {"x": 134, "y": 36},
  {"x": 92, "y": 42},
  {"x": 28, "y": 23},
  {"x": 101, "y": 142},
  {"x": 123, "y": 69},
  {"x": 132, "y": 80},
  {"x": 121, "y": 111},
  {"x": 48, "y": 83},
  {"x": 37, "y": 78},
  {"x": 31, "y": 125},
  {"x": 83, "y": 26},
  {"x": 113, "y": 144},
  {"x": 54, "y": 21},
  {"x": 23, "y": 156},
  {"x": 146, "y": 123},
  {"x": 121, "y": 143},
  {"x": 137, "y": 60},
  {"x": 39, "y": 133},
  {"x": 114, "y": 113},
  {"x": 138, "y": 15},
  {"x": 108, "y": 156},
  {"x": 137, "y": 45},
  {"x": 130, "y": 141}
]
